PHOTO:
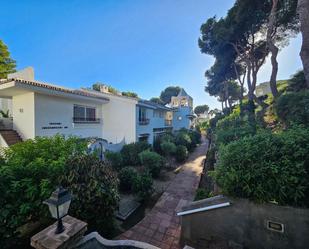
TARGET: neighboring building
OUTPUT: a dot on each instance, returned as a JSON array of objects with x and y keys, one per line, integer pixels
[
  {"x": 262, "y": 89},
  {"x": 152, "y": 120},
  {"x": 182, "y": 106},
  {"x": 40, "y": 109}
]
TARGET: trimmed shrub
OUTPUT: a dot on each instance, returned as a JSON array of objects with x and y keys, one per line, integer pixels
[
  {"x": 126, "y": 177},
  {"x": 29, "y": 173},
  {"x": 183, "y": 138},
  {"x": 143, "y": 186},
  {"x": 115, "y": 159},
  {"x": 94, "y": 187},
  {"x": 293, "y": 108},
  {"x": 130, "y": 152},
  {"x": 267, "y": 167},
  {"x": 152, "y": 161},
  {"x": 168, "y": 148},
  {"x": 195, "y": 137},
  {"x": 181, "y": 153}
]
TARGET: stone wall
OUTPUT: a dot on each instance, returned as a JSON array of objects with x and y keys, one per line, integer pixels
[{"x": 245, "y": 224}]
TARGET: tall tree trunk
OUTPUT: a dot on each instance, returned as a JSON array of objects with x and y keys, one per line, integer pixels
[
  {"x": 273, "y": 48},
  {"x": 303, "y": 11}
]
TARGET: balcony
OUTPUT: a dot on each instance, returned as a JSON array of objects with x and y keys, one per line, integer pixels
[
  {"x": 143, "y": 122},
  {"x": 86, "y": 120},
  {"x": 168, "y": 122}
]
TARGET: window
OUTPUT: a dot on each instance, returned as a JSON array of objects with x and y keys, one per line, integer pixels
[
  {"x": 158, "y": 114},
  {"x": 84, "y": 114},
  {"x": 142, "y": 116}
]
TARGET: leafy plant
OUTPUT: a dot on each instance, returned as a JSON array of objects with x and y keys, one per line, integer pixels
[
  {"x": 183, "y": 138},
  {"x": 143, "y": 186},
  {"x": 152, "y": 161},
  {"x": 293, "y": 108},
  {"x": 168, "y": 148},
  {"x": 130, "y": 152},
  {"x": 267, "y": 167},
  {"x": 181, "y": 153},
  {"x": 94, "y": 188},
  {"x": 115, "y": 159},
  {"x": 29, "y": 173},
  {"x": 202, "y": 193},
  {"x": 5, "y": 114},
  {"x": 127, "y": 177}
]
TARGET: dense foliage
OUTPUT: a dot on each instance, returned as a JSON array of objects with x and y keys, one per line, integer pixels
[
  {"x": 181, "y": 153},
  {"x": 127, "y": 177},
  {"x": 29, "y": 172},
  {"x": 168, "y": 148},
  {"x": 94, "y": 187},
  {"x": 130, "y": 152},
  {"x": 7, "y": 64},
  {"x": 152, "y": 161},
  {"x": 143, "y": 185},
  {"x": 115, "y": 159},
  {"x": 293, "y": 108},
  {"x": 267, "y": 167}
]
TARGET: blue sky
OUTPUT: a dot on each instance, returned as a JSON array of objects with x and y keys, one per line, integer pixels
[{"x": 135, "y": 45}]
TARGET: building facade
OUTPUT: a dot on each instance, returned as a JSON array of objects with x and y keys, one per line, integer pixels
[{"x": 41, "y": 109}]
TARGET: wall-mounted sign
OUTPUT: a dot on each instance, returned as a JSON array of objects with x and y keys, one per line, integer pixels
[{"x": 275, "y": 226}]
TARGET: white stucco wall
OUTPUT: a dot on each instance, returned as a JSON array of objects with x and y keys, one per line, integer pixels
[
  {"x": 119, "y": 119},
  {"x": 23, "y": 115},
  {"x": 55, "y": 115}
]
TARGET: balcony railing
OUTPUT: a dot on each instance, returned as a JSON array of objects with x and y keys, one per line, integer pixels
[
  {"x": 86, "y": 120},
  {"x": 144, "y": 122},
  {"x": 168, "y": 122}
]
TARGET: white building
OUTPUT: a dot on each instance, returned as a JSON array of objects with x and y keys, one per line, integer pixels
[{"x": 40, "y": 109}]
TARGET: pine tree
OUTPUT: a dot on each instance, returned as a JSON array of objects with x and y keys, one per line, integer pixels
[{"x": 7, "y": 64}]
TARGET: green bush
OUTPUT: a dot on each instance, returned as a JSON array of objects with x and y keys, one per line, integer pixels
[
  {"x": 183, "y": 138},
  {"x": 115, "y": 159},
  {"x": 195, "y": 138},
  {"x": 168, "y": 148},
  {"x": 202, "y": 193},
  {"x": 233, "y": 127},
  {"x": 297, "y": 82},
  {"x": 29, "y": 173},
  {"x": 130, "y": 152},
  {"x": 293, "y": 108},
  {"x": 152, "y": 161},
  {"x": 168, "y": 137},
  {"x": 126, "y": 177},
  {"x": 94, "y": 188},
  {"x": 143, "y": 186},
  {"x": 267, "y": 167},
  {"x": 181, "y": 153}
]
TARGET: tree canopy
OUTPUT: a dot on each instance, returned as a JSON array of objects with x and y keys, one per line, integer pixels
[
  {"x": 7, "y": 64},
  {"x": 168, "y": 92},
  {"x": 156, "y": 100},
  {"x": 200, "y": 109}
]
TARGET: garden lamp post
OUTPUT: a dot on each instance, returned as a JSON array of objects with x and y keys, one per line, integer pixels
[{"x": 58, "y": 204}]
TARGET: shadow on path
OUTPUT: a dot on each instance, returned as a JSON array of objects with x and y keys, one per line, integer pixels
[{"x": 161, "y": 227}]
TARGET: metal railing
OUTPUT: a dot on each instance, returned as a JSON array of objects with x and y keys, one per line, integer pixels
[
  {"x": 144, "y": 121},
  {"x": 77, "y": 120},
  {"x": 168, "y": 122}
]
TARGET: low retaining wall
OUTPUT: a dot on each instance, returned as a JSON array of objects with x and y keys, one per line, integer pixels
[{"x": 244, "y": 224}]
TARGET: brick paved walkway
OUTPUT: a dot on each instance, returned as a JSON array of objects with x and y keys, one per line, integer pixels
[{"x": 161, "y": 226}]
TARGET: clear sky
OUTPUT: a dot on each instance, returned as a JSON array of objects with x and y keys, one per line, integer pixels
[{"x": 133, "y": 45}]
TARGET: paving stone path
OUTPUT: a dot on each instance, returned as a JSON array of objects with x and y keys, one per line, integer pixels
[{"x": 161, "y": 226}]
